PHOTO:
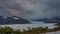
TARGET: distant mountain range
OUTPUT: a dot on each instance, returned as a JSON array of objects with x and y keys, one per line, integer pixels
[
  {"x": 53, "y": 20},
  {"x": 13, "y": 20},
  {"x": 49, "y": 20}
]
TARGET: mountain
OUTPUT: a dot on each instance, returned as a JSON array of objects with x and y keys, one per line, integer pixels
[
  {"x": 53, "y": 20},
  {"x": 13, "y": 20},
  {"x": 49, "y": 20},
  {"x": 42, "y": 20}
]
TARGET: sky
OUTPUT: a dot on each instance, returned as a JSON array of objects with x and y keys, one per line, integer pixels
[{"x": 30, "y": 9}]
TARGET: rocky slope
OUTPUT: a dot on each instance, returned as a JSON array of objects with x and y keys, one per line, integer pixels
[
  {"x": 13, "y": 20},
  {"x": 49, "y": 20}
]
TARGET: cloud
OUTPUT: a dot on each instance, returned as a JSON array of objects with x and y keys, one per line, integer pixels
[{"x": 30, "y": 9}]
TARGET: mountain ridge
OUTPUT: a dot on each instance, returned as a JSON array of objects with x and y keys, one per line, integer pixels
[
  {"x": 49, "y": 20},
  {"x": 13, "y": 20}
]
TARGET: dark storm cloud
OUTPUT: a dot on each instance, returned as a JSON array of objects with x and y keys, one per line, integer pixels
[{"x": 30, "y": 9}]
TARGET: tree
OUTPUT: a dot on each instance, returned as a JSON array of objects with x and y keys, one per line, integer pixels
[{"x": 6, "y": 30}]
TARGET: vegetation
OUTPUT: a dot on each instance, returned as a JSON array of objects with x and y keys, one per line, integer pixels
[{"x": 37, "y": 30}]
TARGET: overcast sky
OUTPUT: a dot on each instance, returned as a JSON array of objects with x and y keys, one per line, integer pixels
[{"x": 30, "y": 9}]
